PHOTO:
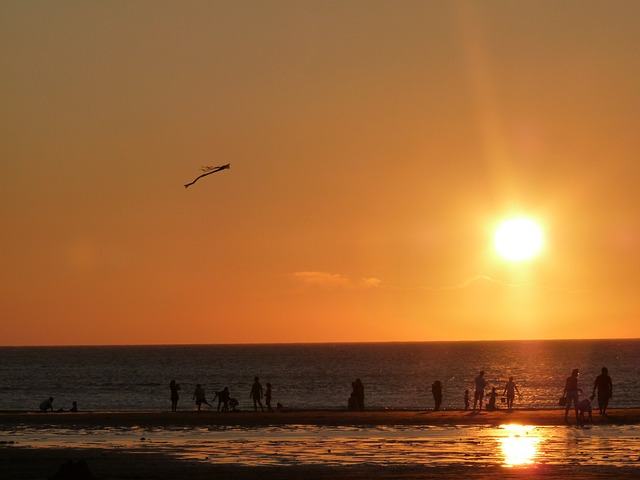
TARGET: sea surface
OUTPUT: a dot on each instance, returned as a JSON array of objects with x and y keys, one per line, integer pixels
[{"x": 312, "y": 376}]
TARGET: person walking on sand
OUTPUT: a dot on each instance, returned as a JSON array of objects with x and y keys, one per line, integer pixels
[
  {"x": 572, "y": 393},
  {"x": 436, "y": 389},
  {"x": 267, "y": 397},
  {"x": 256, "y": 394},
  {"x": 478, "y": 396},
  {"x": 466, "y": 399},
  {"x": 510, "y": 390},
  {"x": 174, "y": 387},
  {"x": 604, "y": 386},
  {"x": 200, "y": 396},
  {"x": 46, "y": 405}
]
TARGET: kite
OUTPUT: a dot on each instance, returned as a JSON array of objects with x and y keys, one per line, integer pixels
[{"x": 208, "y": 171}]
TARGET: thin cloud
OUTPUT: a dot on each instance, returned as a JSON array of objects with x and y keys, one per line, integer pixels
[
  {"x": 334, "y": 280},
  {"x": 486, "y": 279}
]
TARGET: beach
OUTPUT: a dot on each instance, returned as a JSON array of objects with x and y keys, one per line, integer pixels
[{"x": 316, "y": 444}]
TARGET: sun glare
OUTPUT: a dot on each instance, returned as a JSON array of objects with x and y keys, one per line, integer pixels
[
  {"x": 520, "y": 445},
  {"x": 518, "y": 239}
]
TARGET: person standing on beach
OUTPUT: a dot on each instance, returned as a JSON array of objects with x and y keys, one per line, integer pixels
[
  {"x": 46, "y": 405},
  {"x": 436, "y": 389},
  {"x": 605, "y": 390},
  {"x": 478, "y": 396},
  {"x": 358, "y": 389},
  {"x": 223, "y": 397},
  {"x": 510, "y": 390},
  {"x": 174, "y": 387},
  {"x": 267, "y": 397},
  {"x": 466, "y": 399},
  {"x": 256, "y": 394},
  {"x": 572, "y": 393},
  {"x": 200, "y": 396}
]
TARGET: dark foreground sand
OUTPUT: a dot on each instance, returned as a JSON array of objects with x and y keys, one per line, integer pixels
[
  {"x": 308, "y": 417},
  {"x": 22, "y": 462}
]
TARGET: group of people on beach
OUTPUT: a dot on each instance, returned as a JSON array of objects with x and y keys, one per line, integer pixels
[
  {"x": 508, "y": 394},
  {"x": 602, "y": 385},
  {"x": 47, "y": 405},
  {"x": 226, "y": 403}
]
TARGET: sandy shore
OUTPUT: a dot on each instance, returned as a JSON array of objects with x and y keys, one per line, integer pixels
[
  {"x": 308, "y": 417},
  {"x": 23, "y": 461}
]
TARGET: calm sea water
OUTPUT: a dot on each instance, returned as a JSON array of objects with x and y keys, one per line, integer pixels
[{"x": 396, "y": 375}]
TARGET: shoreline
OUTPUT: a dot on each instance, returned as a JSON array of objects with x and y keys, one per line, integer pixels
[
  {"x": 178, "y": 451},
  {"x": 544, "y": 417}
]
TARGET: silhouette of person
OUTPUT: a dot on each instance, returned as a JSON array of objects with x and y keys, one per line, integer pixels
[
  {"x": 510, "y": 390},
  {"x": 46, "y": 405},
  {"x": 352, "y": 403},
  {"x": 174, "y": 387},
  {"x": 233, "y": 403},
  {"x": 267, "y": 397},
  {"x": 74, "y": 407},
  {"x": 604, "y": 386},
  {"x": 572, "y": 393},
  {"x": 223, "y": 397},
  {"x": 491, "y": 406},
  {"x": 466, "y": 399},
  {"x": 256, "y": 394},
  {"x": 358, "y": 390},
  {"x": 479, "y": 393},
  {"x": 436, "y": 389},
  {"x": 200, "y": 396}
]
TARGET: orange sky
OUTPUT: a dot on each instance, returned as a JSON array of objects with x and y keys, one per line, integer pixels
[{"x": 374, "y": 148}]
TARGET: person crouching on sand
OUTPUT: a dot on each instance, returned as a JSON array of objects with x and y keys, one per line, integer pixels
[
  {"x": 47, "y": 405},
  {"x": 491, "y": 406}
]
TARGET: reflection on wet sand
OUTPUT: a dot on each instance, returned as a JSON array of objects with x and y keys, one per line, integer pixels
[
  {"x": 513, "y": 446},
  {"x": 520, "y": 447}
]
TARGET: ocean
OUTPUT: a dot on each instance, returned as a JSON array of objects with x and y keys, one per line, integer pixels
[{"x": 312, "y": 376}]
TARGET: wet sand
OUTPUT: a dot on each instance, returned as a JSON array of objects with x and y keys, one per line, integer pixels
[
  {"x": 308, "y": 417},
  {"x": 18, "y": 461}
]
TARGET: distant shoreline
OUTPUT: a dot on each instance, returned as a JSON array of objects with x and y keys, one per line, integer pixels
[{"x": 543, "y": 417}]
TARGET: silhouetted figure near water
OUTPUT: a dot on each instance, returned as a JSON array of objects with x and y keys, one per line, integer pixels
[
  {"x": 491, "y": 405},
  {"x": 436, "y": 389},
  {"x": 604, "y": 386},
  {"x": 256, "y": 394},
  {"x": 466, "y": 399},
  {"x": 74, "y": 407},
  {"x": 510, "y": 390},
  {"x": 267, "y": 397},
  {"x": 479, "y": 393},
  {"x": 174, "y": 387},
  {"x": 358, "y": 390},
  {"x": 223, "y": 397},
  {"x": 352, "y": 403},
  {"x": 200, "y": 396},
  {"x": 46, "y": 405},
  {"x": 572, "y": 393}
]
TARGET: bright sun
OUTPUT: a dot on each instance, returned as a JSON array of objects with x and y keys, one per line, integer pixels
[{"x": 518, "y": 239}]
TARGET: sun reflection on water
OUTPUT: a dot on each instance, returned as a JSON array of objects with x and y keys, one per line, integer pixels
[{"x": 520, "y": 446}]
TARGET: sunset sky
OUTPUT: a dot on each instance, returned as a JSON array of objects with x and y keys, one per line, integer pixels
[{"x": 375, "y": 147}]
